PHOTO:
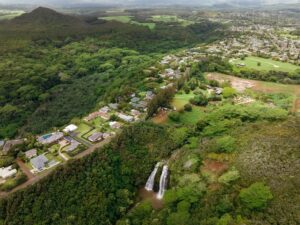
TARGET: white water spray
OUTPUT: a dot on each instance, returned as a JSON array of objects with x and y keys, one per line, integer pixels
[
  {"x": 163, "y": 182},
  {"x": 150, "y": 182}
]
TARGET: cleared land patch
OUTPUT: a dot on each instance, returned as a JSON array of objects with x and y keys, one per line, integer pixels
[
  {"x": 171, "y": 19},
  {"x": 260, "y": 86},
  {"x": 128, "y": 19},
  {"x": 263, "y": 64}
]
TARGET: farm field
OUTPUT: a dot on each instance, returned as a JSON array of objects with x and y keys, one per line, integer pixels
[
  {"x": 128, "y": 19},
  {"x": 8, "y": 14},
  {"x": 260, "y": 86},
  {"x": 266, "y": 64},
  {"x": 171, "y": 19}
]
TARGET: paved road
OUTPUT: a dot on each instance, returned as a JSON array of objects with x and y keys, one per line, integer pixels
[{"x": 35, "y": 178}]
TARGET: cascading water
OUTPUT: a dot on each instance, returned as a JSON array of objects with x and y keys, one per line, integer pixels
[
  {"x": 163, "y": 182},
  {"x": 150, "y": 182}
]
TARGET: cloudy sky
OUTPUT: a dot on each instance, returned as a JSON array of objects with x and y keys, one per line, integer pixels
[{"x": 130, "y": 2}]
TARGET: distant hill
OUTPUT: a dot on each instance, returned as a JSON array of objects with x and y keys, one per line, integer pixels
[
  {"x": 44, "y": 23},
  {"x": 42, "y": 17}
]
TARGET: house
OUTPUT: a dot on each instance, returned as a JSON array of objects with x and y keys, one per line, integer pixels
[
  {"x": 135, "y": 113},
  {"x": 103, "y": 113},
  {"x": 104, "y": 109},
  {"x": 50, "y": 138},
  {"x": 39, "y": 163},
  {"x": 70, "y": 128},
  {"x": 9, "y": 144},
  {"x": 98, "y": 136},
  {"x": 73, "y": 144},
  {"x": 30, "y": 153},
  {"x": 6, "y": 172},
  {"x": 125, "y": 117},
  {"x": 115, "y": 125},
  {"x": 113, "y": 106},
  {"x": 92, "y": 116},
  {"x": 135, "y": 100}
]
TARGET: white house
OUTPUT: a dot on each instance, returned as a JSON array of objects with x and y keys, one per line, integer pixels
[
  {"x": 70, "y": 128},
  {"x": 6, "y": 172}
]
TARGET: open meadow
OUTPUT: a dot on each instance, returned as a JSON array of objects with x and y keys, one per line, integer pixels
[{"x": 263, "y": 64}]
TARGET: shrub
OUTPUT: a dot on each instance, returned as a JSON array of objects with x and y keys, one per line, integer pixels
[
  {"x": 174, "y": 116},
  {"x": 229, "y": 176},
  {"x": 229, "y": 92},
  {"x": 199, "y": 100},
  {"x": 256, "y": 196},
  {"x": 214, "y": 83},
  {"x": 201, "y": 124},
  {"x": 225, "y": 144},
  {"x": 188, "y": 107}
]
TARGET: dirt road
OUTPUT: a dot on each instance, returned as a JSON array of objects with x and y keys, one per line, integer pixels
[{"x": 32, "y": 179}]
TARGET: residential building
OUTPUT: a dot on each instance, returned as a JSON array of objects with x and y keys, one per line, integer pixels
[
  {"x": 70, "y": 128},
  {"x": 6, "y": 172},
  {"x": 31, "y": 153},
  {"x": 115, "y": 125},
  {"x": 125, "y": 117},
  {"x": 113, "y": 106},
  {"x": 39, "y": 163},
  {"x": 50, "y": 138},
  {"x": 9, "y": 144},
  {"x": 98, "y": 136},
  {"x": 104, "y": 109}
]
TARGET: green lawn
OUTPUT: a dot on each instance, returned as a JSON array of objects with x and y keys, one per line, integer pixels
[
  {"x": 128, "y": 19},
  {"x": 82, "y": 129},
  {"x": 189, "y": 118},
  {"x": 181, "y": 99},
  {"x": 266, "y": 64},
  {"x": 171, "y": 19}
]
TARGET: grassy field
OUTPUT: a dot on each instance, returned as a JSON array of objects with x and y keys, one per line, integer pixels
[
  {"x": 181, "y": 99},
  {"x": 7, "y": 14},
  {"x": 128, "y": 19},
  {"x": 171, "y": 19},
  {"x": 266, "y": 64},
  {"x": 82, "y": 129}
]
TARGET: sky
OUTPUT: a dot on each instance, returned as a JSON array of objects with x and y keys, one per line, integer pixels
[{"x": 141, "y": 2}]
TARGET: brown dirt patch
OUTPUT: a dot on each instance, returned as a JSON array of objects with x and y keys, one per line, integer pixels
[
  {"x": 161, "y": 117},
  {"x": 214, "y": 167}
]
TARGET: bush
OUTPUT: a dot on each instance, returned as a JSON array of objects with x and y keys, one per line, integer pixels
[
  {"x": 174, "y": 116},
  {"x": 256, "y": 197},
  {"x": 214, "y": 83},
  {"x": 229, "y": 176},
  {"x": 215, "y": 97},
  {"x": 225, "y": 144},
  {"x": 229, "y": 92},
  {"x": 188, "y": 107},
  {"x": 200, "y": 100},
  {"x": 201, "y": 124}
]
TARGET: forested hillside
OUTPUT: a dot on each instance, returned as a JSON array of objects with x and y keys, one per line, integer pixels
[
  {"x": 98, "y": 189},
  {"x": 51, "y": 80}
]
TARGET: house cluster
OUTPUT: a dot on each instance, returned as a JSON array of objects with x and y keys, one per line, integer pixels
[{"x": 259, "y": 40}]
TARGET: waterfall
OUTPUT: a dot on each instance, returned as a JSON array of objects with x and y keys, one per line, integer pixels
[
  {"x": 150, "y": 182},
  {"x": 163, "y": 182}
]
